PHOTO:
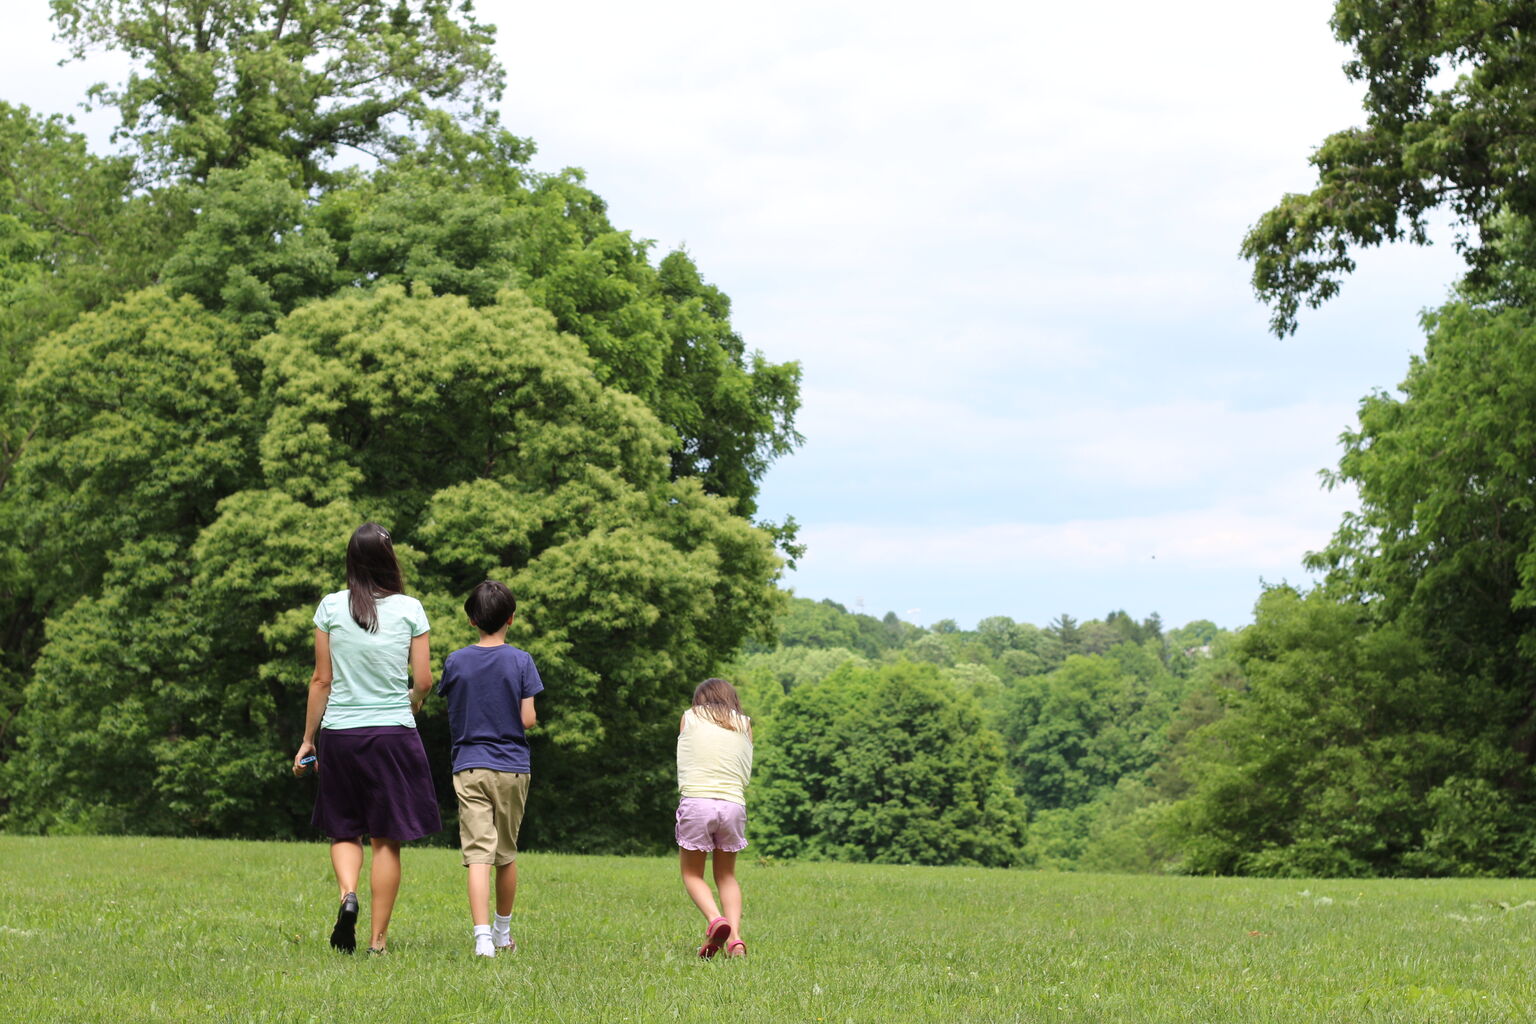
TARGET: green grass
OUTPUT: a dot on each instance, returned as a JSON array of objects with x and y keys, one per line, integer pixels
[{"x": 127, "y": 930}]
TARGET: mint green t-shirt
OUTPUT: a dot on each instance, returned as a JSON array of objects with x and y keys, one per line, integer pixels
[{"x": 370, "y": 675}]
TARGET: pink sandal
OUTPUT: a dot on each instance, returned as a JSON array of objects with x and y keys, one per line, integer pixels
[
  {"x": 736, "y": 948},
  {"x": 714, "y": 937}
]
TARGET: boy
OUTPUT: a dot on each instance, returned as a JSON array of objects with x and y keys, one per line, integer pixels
[{"x": 489, "y": 687}]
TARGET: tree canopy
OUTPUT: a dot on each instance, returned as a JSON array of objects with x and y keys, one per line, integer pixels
[
  {"x": 229, "y": 342},
  {"x": 1448, "y": 92},
  {"x": 219, "y": 82}
]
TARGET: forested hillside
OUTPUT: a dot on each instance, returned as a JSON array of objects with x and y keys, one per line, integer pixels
[{"x": 1056, "y": 746}]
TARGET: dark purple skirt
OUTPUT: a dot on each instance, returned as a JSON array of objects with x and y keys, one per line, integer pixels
[{"x": 374, "y": 782}]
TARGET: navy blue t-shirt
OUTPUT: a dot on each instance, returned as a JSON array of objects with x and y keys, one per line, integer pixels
[{"x": 485, "y": 687}]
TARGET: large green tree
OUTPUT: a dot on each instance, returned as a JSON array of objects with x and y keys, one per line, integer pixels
[
  {"x": 1449, "y": 104},
  {"x": 172, "y": 683},
  {"x": 233, "y": 199}
]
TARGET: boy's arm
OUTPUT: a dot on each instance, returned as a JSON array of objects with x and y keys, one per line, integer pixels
[{"x": 530, "y": 717}]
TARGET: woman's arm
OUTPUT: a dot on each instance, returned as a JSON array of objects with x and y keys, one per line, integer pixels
[
  {"x": 319, "y": 696},
  {"x": 421, "y": 670}
]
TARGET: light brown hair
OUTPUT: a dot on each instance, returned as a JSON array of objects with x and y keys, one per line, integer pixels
[{"x": 716, "y": 700}]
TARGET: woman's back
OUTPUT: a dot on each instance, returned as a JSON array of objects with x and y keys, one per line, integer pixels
[{"x": 370, "y": 678}]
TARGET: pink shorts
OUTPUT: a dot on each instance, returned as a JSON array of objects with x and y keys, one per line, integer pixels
[{"x": 704, "y": 824}]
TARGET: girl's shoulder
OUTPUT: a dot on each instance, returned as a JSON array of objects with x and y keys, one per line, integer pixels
[{"x": 744, "y": 723}]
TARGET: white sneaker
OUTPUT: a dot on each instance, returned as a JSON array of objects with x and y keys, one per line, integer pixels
[{"x": 483, "y": 946}]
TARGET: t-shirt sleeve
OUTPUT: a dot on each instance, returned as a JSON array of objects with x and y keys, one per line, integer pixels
[
  {"x": 416, "y": 618},
  {"x": 449, "y": 678},
  {"x": 531, "y": 683},
  {"x": 325, "y": 618}
]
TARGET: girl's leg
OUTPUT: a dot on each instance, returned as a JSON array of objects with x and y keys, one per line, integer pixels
[
  {"x": 383, "y": 887},
  {"x": 693, "y": 880},
  {"x": 479, "y": 893},
  {"x": 730, "y": 890},
  {"x": 506, "y": 888},
  {"x": 347, "y": 862}
]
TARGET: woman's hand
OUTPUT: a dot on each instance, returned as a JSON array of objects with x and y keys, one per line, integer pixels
[{"x": 306, "y": 749}]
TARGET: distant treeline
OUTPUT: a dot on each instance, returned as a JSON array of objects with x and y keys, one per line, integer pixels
[{"x": 1010, "y": 744}]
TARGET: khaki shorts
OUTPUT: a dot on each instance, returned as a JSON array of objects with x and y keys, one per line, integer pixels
[{"x": 490, "y": 814}]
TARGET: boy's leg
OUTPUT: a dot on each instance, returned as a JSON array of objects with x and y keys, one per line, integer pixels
[
  {"x": 480, "y": 892},
  {"x": 692, "y": 862},
  {"x": 477, "y": 838},
  {"x": 730, "y": 890},
  {"x": 506, "y": 887},
  {"x": 383, "y": 887},
  {"x": 511, "y": 797},
  {"x": 347, "y": 862}
]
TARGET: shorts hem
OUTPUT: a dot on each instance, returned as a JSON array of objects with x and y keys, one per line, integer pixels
[{"x": 713, "y": 849}]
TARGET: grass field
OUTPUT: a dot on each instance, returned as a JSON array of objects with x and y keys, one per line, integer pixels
[{"x": 127, "y": 930}]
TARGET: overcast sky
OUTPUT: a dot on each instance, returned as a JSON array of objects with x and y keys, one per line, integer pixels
[{"x": 1001, "y": 240}]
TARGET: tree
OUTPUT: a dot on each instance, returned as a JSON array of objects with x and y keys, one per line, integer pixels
[
  {"x": 223, "y": 81},
  {"x": 890, "y": 765},
  {"x": 1346, "y": 755},
  {"x": 1459, "y": 147},
  {"x": 1445, "y": 539},
  {"x": 486, "y": 441},
  {"x": 236, "y": 195},
  {"x": 1075, "y": 732}
]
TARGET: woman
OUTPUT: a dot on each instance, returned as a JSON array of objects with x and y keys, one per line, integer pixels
[{"x": 370, "y": 647}]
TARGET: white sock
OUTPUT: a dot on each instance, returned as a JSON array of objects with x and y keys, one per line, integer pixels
[
  {"x": 501, "y": 929},
  {"x": 483, "y": 945}
]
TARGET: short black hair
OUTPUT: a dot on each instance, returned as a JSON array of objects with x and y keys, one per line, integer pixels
[{"x": 490, "y": 605}]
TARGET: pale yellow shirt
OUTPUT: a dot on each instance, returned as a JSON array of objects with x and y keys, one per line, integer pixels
[{"x": 713, "y": 762}]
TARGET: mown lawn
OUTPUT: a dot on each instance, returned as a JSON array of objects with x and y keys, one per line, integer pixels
[{"x": 126, "y": 930}]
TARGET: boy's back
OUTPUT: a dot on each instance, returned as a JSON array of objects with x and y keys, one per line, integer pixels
[{"x": 485, "y": 687}]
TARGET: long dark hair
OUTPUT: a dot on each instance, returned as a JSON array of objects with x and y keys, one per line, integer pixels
[
  {"x": 372, "y": 572},
  {"x": 716, "y": 700}
]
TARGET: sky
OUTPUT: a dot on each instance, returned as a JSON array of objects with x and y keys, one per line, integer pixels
[{"x": 1001, "y": 242}]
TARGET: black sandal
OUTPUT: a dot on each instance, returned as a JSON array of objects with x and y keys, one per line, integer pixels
[{"x": 344, "y": 935}]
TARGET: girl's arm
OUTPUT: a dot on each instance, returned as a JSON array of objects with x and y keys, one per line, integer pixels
[
  {"x": 421, "y": 670},
  {"x": 530, "y": 717},
  {"x": 319, "y": 696}
]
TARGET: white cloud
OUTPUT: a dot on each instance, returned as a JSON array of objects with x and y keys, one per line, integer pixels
[{"x": 1220, "y": 537}]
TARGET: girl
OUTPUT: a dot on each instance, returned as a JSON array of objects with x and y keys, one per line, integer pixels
[
  {"x": 370, "y": 647},
  {"x": 714, "y": 763}
]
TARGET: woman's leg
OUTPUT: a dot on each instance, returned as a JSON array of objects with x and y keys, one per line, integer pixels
[
  {"x": 383, "y": 887},
  {"x": 730, "y": 890},
  {"x": 347, "y": 862},
  {"x": 692, "y": 862}
]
